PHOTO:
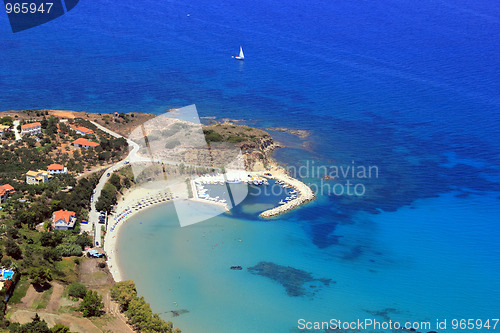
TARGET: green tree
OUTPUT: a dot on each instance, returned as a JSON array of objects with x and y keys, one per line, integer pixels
[
  {"x": 77, "y": 290},
  {"x": 123, "y": 292},
  {"x": 52, "y": 254},
  {"x": 7, "y": 121},
  {"x": 60, "y": 328},
  {"x": 12, "y": 249},
  {"x": 48, "y": 240},
  {"x": 12, "y": 233},
  {"x": 52, "y": 125},
  {"x": 69, "y": 250},
  {"x": 92, "y": 305},
  {"x": 107, "y": 198},
  {"x": 115, "y": 181},
  {"x": 83, "y": 240},
  {"x": 139, "y": 312},
  {"x": 55, "y": 205},
  {"x": 40, "y": 275}
]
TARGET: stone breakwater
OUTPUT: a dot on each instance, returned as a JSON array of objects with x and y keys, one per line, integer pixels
[{"x": 306, "y": 195}]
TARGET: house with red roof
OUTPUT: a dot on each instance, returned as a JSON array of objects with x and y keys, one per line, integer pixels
[
  {"x": 56, "y": 168},
  {"x": 84, "y": 143},
  {"x": 5, "y": 190},
  {"x": 31, "y": 128},
  {"x": 63, "y": 220},
  {"x": 81, "y": 130}
]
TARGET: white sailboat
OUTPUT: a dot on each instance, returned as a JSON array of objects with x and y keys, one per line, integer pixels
[{"x": 241, "y": 56}]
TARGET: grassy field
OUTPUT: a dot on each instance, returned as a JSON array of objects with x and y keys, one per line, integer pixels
[
  {"x": 66, "y": 268},
  {"x": 20, "y": 291}
]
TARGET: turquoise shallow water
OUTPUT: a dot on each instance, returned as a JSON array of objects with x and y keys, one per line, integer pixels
[{"x": 408, "y": 267}]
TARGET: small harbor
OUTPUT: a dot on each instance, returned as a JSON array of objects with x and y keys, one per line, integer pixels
[{"x": 295, "y": 192}]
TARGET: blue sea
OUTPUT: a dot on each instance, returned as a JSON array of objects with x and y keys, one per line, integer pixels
[{"x": 409, "y": 87}]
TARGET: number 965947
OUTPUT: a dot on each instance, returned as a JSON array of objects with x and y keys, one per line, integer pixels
[{"x": 28, "y": 7}]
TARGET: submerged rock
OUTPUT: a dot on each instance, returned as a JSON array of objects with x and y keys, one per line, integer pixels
[
  {"x": 292, "y": 279},
  {"x": 177, "y": 313}
]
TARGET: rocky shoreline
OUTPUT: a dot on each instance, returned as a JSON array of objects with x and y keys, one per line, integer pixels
[{"x": 298, "y": 132}]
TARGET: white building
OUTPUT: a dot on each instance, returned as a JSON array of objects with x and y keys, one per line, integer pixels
[
  {"x": 37, "y": 177},
  {"x": 56, "y": 169},
  {"x": 31, "y": 128},
  {"x": 63, "y": 220},
  {"x": 84, "y": 143}
]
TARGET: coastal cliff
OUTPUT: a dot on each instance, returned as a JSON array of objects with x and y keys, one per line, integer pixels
[{"x": 216, "y": 146}]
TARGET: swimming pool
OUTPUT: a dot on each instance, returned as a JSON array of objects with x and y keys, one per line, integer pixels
[{"x": 8, "y": 275}]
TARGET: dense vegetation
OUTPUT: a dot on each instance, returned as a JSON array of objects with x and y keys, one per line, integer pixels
[
  {"x": 212, "y": 136},
  {"x": 54, "y": 146},
  {"x": 77, "y": 290},
  {"x": 6, "y": 121},
  {"x": 115, "y": 185},
  {"x": 91, "y": 305},
  {"x": 138, "y": 311},
  {"x": 232, "y": 133},
  {"x": 28, "y": 243}
]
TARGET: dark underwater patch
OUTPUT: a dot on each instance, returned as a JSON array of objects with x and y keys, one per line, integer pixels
[
  {"x": 294, "y": 280},
  {"x": 412, "y": 167}
]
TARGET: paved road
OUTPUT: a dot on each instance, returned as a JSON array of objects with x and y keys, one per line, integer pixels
[
  {"x": 132, "y": 157},
  {"x": 94, "y": 214},
  {"x": 16, "y": 132}
]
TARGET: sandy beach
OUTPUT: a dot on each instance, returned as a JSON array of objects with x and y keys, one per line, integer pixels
[
  {"x": 141, "y": 197},
  {"x": 134, "y": 201}
]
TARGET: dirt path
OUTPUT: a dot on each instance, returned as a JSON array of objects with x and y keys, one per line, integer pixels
[
  {"x": 30, "y": 297},
  {"x": 119, "y": 322},
  {"x": 55, "y": 298}
]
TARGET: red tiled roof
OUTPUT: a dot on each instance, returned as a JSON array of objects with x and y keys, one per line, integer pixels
[
  {"x": 64, "y": 215},
  {"x": 7, "y": 187},
  {"x": 85, "y": 142},
  {"x": 31, "y": 125},
  {"x": 55, "y": 167},
  {"x": 82, "y": 129}
]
